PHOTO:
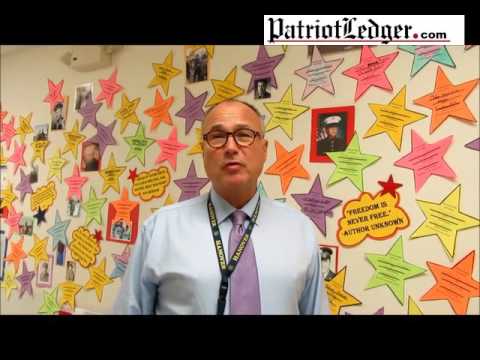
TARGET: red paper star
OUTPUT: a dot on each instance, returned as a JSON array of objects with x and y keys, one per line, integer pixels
[
  {"x": 98, "y": 235},
  {"x": 109, "y": 88},
  {"x": 389, "y": 186},
  {"x": 133, "y": 174},
  {"x": 13, "y": 220},
  {"x": 54, "y": 93}
]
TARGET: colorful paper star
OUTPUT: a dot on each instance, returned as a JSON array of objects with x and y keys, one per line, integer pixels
[
  {"x": 25, "y": 128},
  {"x": 454, "y": 284},
  {"x": 350, "y": 164},
  {"x": 69, "y": 289},
  {"x": 16, "y": 254},
  {"x": 337, "y": 296},
  {"x": 3, "y": 158},
  {"x": 444, "y": 220},
  {"x": 104, "y": 136},
  {"x": 318, "y": 74},
  {"x": 98, "y": 279},
  {"x": 40, "y": 216},
  {"x": 193, "y": 109},
  {"x": 138, "y": 144},
  {"x": 427, "y": 159},
  {"x": 159, "y": 111},
  {"x": 39, "y": 250},
  {"x": 127, "y": 114},
  {"x": 25, "y": 279},
  {"x": 371, "y": 71},
  {"x": 54, "y": 94},
  {"x": 121, "y": 262},
  {"x": 164, "y": 73},
  {"x": 111, "y": 175},
  {"x": 98, "y": 235},
  {"x": 474, "y": 145},
  {"x": 448, "y": 100},
  {"x": 73, "y": 139},
  {"x": 392, "y": 118},
  {"x": 283, "y": 113},
  {"x": 3, "y": 114},
  {"x": 225, "y": 89},
  {"x": 89, "y": 113},
  {"x": 13, "y": 219},
  {"x": 55, "y": 165},
  {"x": 317, "y": 206},
  {"x": 262, "y": 68},
  {"x": 7, "y": 197},
  {"x": 426, "y": 53},
  {"x": 75, "y": 183},
  {"x": 39, "y": 148},
  {"x": 392, "y": 270},
  {"x": 109, "y": 88},
  {"x": 262, "y": 192},
  {"x": 197, "y": 148},
  {"x": 17, "y": 156},
  {"x": 132, "y": 174},
  {"x": 287, "y": 165},
  {"x": 24, "y": 185},
  {"x": 7, "y": 131},
  {"x": 389, "y": 186},
  {"x": 170, "y": 147},
  {"x": 58, "y": 231},
  {"x": 380, "y": 311},
  {"x": 93, "y": 208},
  {"x": 191, "y": 184},
  {"x": 413, "y": 308},
  {"x": 9, "y": 283},
  {"x": 50, "y": 305}
]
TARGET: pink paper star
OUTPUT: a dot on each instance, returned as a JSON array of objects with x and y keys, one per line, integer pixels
[
  {"x": 13, "y": 220},
  {"x": 170, "y": 148},
  {"x": 3, "y": 114},
  {"x": 54, "y": 93},
  {"x": 427, "y": 159},
  {"x": 17, "y": 156},
  {"x": 7, "y": 131},
  {"x": 109, "y": 88},
  {"x": 262, "y": 67},
  {"x": 75, "y": 183},
  {"x": 371, "y": 71}
]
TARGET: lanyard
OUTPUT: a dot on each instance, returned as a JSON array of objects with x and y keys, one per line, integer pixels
[{"x": 227, "y": 270}]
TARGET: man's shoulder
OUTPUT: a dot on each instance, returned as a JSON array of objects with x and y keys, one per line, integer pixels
[{"x": 283, "y": 209}]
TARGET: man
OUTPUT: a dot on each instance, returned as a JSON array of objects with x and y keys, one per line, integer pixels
[
  {"x": 57, "y": 117},
  {"x": 179, "y": 265},
  {"x": 331, "y": 142},
  {"x": 44, "y": 276},
  {"x": 91, "y": 157},
  {"x": 327, "y": 273}
]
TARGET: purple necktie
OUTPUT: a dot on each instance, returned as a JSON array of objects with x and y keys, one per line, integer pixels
[{"x": 244, "y": 286}]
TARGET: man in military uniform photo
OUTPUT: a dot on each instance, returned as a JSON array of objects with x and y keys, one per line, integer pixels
[{"x": 331, "y": 141}]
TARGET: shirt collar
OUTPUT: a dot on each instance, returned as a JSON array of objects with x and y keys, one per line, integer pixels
[{"x": 223, "y": 209}]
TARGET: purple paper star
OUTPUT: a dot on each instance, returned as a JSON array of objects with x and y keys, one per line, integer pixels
[
  {"x": 262, "y": 67},
  {"x": 24, "y": 186},
  {"x": 89, "y": 113},
  {"x": 25, "y": 280},
  {"x": 193, "y": 109},
  {"x": 474, "y": 145},
  {"x": 316, "y": 206},
  {"x": 191, "y": 184},
  {"x": 104, "y": 136}
]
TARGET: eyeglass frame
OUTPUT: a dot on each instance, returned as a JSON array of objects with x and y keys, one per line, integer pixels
[{"x": 231, "y": 133}]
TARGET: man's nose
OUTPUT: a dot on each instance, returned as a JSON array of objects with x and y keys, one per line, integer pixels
[{"x": 231, "y": 145}]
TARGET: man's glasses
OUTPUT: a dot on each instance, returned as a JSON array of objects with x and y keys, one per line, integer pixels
[{"x": 243, "y": 137}]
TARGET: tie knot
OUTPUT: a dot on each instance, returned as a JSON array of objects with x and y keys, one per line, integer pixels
[{"x": 238, "y": 217}]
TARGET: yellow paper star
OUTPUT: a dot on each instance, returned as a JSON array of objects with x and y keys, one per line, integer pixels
[
  {"x": 39, "y": 250},
  {"x": 197, "y": 148},
  {"x": 98, "y": 279},
  {"x": 55, "y": 165},
  {"x": 444, "y": 220},
  {"x": 73, "y": 139},
  {"x": 69, "y": 289},
  {"x": 39, "y": 150},
  {"x": 9, "y": 283},
  {"x": 413, "y": 308},
  {"x": 284, "y": 112},
  {"x": 111, "y": 175},
  {"x": 337, "y": 296},
  {"x": 7, "y": 197},
  {"x": 25, "y": 128},
  {"x": 3, "y": 158},
  {"x": 164, "y": 73},
  {"x": 127, "y": 113},
  {"x": 225, "y": 89},
  {"x": 392, "y": 118}
]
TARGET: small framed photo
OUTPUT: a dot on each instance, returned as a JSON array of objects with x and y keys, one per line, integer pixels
[
  {"x": 25, "y": 226},
  {"x": 262, "y": 89},
  {"x": 41, "y": 132},
  {"x": 3, "y": 252},
  {"x": 197, "y": 64},
  {"x": 70, "y": 271},
  {"x": 329, "y": 261},
  {"x": 121, "y": 231},
  {"x": 60, "y": 255},
  {"x": 90, "y": 157},
  {"x": 33, "y": 176},
  {"x": 44, "y": 273},
  {"x": 73, "y": 206},
  {"x": 59, "y": 115},
  {"x": 332, "y": 130},
  {"x": 82, "y": 94}
]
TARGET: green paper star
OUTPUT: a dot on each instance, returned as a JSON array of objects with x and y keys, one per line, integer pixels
[
  {"x": 93, "y": 208},
  {"x": 425, "y": 54},
  {"x": 263, "y": 193},
  {"x": 392, "y": 270},
  {"x": 350, "y": 164},
  {"x": 138, "y": 144},
  {"x": 50, "y": 305}
]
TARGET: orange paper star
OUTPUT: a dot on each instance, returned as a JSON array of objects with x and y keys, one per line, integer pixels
[
  {"x": 16, "y": 254},
  {"x": 159, "y": 111}
]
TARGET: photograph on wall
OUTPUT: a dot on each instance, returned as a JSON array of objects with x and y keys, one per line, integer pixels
[
  {"x": 262, "y": 88},
  {"x": 73, "y": 206},
  {"x": 196, "y": 63},
  {"x": 70, "y": 270},
  {"x": 90, "y": 157},
  {"x": 329, "y": 261},
  {"x": 60, "y": 255},
  {"x": 41, "y": 132},
  {"x": 25, "y": 226},
  {"x": 33, "y": 175},
  {"x": 44, "y": 273},
  {"x": 59, "y": 115},
  {"x": 332, "y": 130},
  {"x": 122, "y": 226},
  {"x": 82, "y": 94},
  {"x": 3, "y": 252}
]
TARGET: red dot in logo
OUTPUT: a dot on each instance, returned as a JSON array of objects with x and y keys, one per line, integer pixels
[{"x": 415, "y": 36}]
